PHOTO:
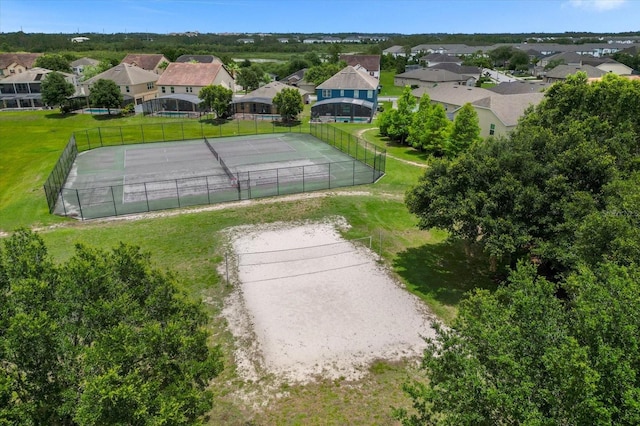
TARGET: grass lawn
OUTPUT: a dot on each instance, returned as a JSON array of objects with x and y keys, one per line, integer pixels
[
  {"x": 190, "y": 244},
  {"x": 388, "y": 89}
]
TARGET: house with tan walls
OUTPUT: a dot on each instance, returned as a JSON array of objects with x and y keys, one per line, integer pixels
[
  {"x": 190, "y": 78},
  {"x": 136, "y": 85},
  {"x": 155, "y": 63},
  {"x": 498, "y": 114},
  {"x": 16, "y": 63}
]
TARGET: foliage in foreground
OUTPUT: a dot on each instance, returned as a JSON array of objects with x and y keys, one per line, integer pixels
[
  {"x": 557, "y": 344},
  {"x": 100, "y": 339}
]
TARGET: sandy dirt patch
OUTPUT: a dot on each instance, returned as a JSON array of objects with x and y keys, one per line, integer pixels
[{"x": 309, "y": 304}]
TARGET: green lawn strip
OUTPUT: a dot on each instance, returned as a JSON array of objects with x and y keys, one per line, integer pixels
[{"x": 388, "y": 88}]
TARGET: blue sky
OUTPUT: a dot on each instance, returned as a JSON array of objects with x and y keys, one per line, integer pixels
[{"x": 323, "y": 16}]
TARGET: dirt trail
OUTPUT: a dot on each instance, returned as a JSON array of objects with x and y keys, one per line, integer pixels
[{"x": 359, "y": 134}]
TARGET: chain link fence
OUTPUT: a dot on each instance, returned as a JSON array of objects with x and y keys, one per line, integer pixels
[{"x": 367, "y": 165}]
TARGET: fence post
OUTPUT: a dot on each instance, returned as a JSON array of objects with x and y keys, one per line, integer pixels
[
  {"x": 249, "y": 184},
  {"x": 146, "y": 196},
  {"x": 100, "y": 136},
  {"x": 302, "y": 178},
  {"x": 278, "y": 181},
  {"x": 353, "y": 172},
  {"x": 64, "y": 208},
  {"x": 239, "y": 186},
  {"x": 177, "y": 192},
  {"x": 201, "y": 130},
  {"x": 208, "y": 193},
  {"x": 329, "y": 176},
  {"x": 79, "y": 205},
  {"x": 113, "y": 200}
]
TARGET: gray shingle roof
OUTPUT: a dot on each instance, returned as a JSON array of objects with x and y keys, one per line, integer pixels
[
  {"x": 433, "y": 75},
  {"x": 32, "y": 75},
  {"x": 509, "y": 108},
  {"x": 453, "y": 94},
  {"x": 519, "y": 87},
  {"x": 125, "y": 74},
  {"x": 350, "y": 78},
  {"x": 562, "y": 71}
]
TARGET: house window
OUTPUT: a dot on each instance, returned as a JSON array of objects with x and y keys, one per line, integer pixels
[
  {"x": 356, "y": 94},
  {"x": 126, "y": 89},
  {"x": 369, "y": 94},
  {"x": 492, "y": 129},
  {"x": 342, "y": 93},
  {"x": 326, "y": 93},
  {"x": 149, "y": 86},
  {"x": 173, "y": 90},
  {"x": 188, "y": 89},
  {"x": 164, "y": 89}
]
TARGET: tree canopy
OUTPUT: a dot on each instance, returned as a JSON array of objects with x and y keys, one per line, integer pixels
[
  {"x": 318, "y": 74},
  {"x": 53, "y": 62},
  {"x": 289, "y": 103},
  {"x": 103, "y": 338},
  {"x": 217, "y": 98},
  {"x": 55, "y": 89},
  {"x": 105, "y": 94},
  {"x": 559, "y": 202}
]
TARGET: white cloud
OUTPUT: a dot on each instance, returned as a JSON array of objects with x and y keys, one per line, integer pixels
[{"x": 598, "y": 5}]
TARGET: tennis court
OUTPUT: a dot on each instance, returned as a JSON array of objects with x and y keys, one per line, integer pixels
[{"x": 126, "y": 179}]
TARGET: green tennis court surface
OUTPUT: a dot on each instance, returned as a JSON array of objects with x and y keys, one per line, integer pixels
[{"x": 126, "y": 179}]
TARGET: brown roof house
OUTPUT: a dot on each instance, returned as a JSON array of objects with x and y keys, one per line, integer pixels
[
  {"x": 151, "y": 62},
  {"x": 23, "y": 90},
  {"x": 180, "y": 84},
  {"x": 370, "y": 63},
  {"x": 16, "y": 63},
  {"x": 136, "y": 85},
  {"x": 260, "y": 101}
]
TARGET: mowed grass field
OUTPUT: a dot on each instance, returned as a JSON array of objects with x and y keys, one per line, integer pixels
[{"x": 189, "y": 242}]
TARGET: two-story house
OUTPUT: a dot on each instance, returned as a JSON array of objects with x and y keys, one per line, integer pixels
[
  {"x": 348, "y": 96},
  {"x": 180, "y": 84},
  {"x": 16, "y": 63},
  {"x": 136, "y": 85},
  {"x": 23, "y": 90}
]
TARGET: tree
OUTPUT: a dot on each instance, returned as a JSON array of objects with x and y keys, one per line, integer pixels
[
  {"x": 105, "y": 94},
  {"x": 437, "y": 129},
  {"x": 103, "y": 338},
  {"x": 501, "y": 55},
  {"x": 318, "y": 74},
  {"x": 251, "y": 77},
  {"x": 334, "y": 51},
  {"x": 395, "y": 123},
  {"x": 554, "y": 63},
  {"x": 524, "y": 356},
  {"x": 53, "y": 62},
  {"x": 527, "y": 196},
  {"x": 55, "y": 89},
  {"x": 519, "y": 60},
  {"x": 92, "y": 71},
  {"x": 465, "y": 131},
  {"x": 289, "y": 103},
  {"x": 217, "y": 98}
]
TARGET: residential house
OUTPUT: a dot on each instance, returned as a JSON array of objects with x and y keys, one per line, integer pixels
[
  {"x": 433, "y": 59},
  {"x": 563, "y": 58},
  {"x": 151, "y": 62},
  {"x": 180, "y": 84},
  {"x": 607, "y": 64},
  {"x": 561, "y": 72},
  {"x": 349, "y": 96},
  {"x": 430, "y": 76},
  {"x": 519, "y": 87},
  {"x": 370, "y": 63},
  {"x": 79, "y": 39},
  {"x": 16, "y": 63},
  {"x": 453, "y": 67},
  {"x": 297, "y": 80},
  {"x": 245, "y": 40},
  {"x": 497, "y": 114},
  {"x": 395, "y": 51},
  {"x": 136, "y": 84},
  {"x": 283, "y": 40},
  {"x": 260, "y": 101},
  {"x": 79, "y": 65},
  {"x": 23, "y": 90}
]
